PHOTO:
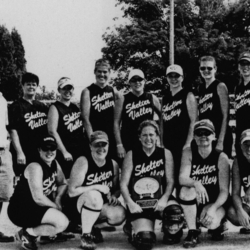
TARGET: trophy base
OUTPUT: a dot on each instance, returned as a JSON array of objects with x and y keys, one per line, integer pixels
[{"x": 145, "y": 204}]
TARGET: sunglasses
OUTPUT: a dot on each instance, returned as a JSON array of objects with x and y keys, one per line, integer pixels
[
  {"x": 206, "y": 68},
  {"x": 100, "y": 144},
  {"x": 202, "y": 133},
  {"x": 244, "y": 63},
  {"x": 46, "y": 149},
  {"x": 173, "y": 76}
]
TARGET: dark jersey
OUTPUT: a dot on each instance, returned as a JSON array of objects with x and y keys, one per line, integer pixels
[
  {"x": 22, "y": 193},
  {"x": 102, "y": 101},
  {"x": 176, "y": 120},
  {"x": 244, "y": 168},
  {"x": 206, "y": 171},
  {"x": 99, "y": 175},
  {"x": 30, "y": 122},
  {"x": 70, "y": 125},
  {"x": 136, "y": 109},
  {"x": 146, "y": 166},
  {"x": 242, "y": 108}
]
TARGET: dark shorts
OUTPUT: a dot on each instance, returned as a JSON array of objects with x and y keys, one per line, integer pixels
[
  {"x": 148, "y": 213},
  {"x": 26, "y": 215}
]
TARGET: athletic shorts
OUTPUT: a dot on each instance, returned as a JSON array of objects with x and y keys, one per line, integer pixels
[
  {"x": 6, "y": 175},
  {"x": 26, "y": 215},
  {"x": 148, "y": 213}
]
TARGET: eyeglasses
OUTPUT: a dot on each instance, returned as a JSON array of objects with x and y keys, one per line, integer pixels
[
  {"x": 206, "y": 68},
  {"x": 202, "y": 132},
  {"x": 100, "y": 144}
]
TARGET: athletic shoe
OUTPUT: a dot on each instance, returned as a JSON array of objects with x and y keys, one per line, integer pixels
[
  {"x": 87, "y": 242},
  {"x": 218, "y": 233},
  {"x": 61, "y": 237},
  {"x": 244, "y": 230},
  {"x": 171, "y": 239},
  {"x": 192, "y": 238},
  {"x": 97, "y": 235},
  {"x": 28, "y": 241},
  {"x": 5, "y": 238}
]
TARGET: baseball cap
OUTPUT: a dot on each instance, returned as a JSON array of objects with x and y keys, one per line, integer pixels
[
  {"x": 64, "y": 81},
  {"x": 174, "y": 68},
  {"x": 98, "y": 136},
  {"x": 244, "y": 56},
  {"x": 204, "y": 124},
  {"x": 245, "y": 136},
  {"x": 48, "y": 141},
  {"x": 135, "y": 72}
]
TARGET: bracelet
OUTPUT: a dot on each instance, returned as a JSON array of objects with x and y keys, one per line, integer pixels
[{"x": 119, "y": 145}]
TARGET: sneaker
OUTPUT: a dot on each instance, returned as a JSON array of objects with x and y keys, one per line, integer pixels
[
  {"x": 28, "y": 241},
  {"x": 61, "y": 237},
  {"x": 171, "y": 239},
  {"x": 5, "y": 238},
  {"x": 192, "y": 239},
  {"x": 87, "y": 242},
  {"x": 244, "y": 230},
  {"x": 218, "y": 233},
  {"x": 97, "y": 235}
]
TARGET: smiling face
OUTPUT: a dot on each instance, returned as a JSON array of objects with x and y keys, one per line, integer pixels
[
  {"x": 29, "y": 89},
  {"x": 99, "y": 149},
  {"x": 137, "y": 84},
  {"x": 47, "y": 154},
  {"x": 148, "y": 137},
  {"x": 204, "y": 137},
  {"x": 244, "y": 68},
  {"x": 207, "y": 70},
  {"x": 175, "y": 80},
  {"x": 102, "y": 74},
  {"x": 245, "y": 147},
  {"x": 66, "y": 92}
]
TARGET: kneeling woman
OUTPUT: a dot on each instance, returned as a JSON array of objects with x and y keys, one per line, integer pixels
[
  {"x": 147, "y": 184},
  {"x": 94, "y": 190},
  {"x": 36, "y": 203}
]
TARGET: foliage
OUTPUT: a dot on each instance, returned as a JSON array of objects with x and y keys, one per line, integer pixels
[
  {"x": 202, "y": 27},
  {"x": 12, "y": 63},
  {"x": 44, "y": 94}
]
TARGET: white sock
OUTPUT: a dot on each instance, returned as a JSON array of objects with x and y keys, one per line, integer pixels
[{"x": 31, "y": 232}]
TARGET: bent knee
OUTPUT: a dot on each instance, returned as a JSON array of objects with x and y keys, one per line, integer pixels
[
  {"x": 187, "y": 193},
  {"x": 61, "y": 223},
  {"x": 116, "y": 215},
  {"x": 91, "y": 199}
]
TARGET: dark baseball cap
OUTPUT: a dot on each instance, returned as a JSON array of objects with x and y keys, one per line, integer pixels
[
  {"x": 99, "y": 136},
  {"x": 48, "y": 142}
]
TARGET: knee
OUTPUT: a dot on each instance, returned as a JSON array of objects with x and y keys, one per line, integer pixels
[
  {"x": 187, "y": 193},
  {"x": 116, "y": 216},
  {"x": 61, "y": 223},
  {"x": 92, "y": 199}
]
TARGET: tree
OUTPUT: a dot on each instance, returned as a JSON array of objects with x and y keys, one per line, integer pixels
[
  {"x": 12, "y": 63},
  {"x": 202, "y": 27},
  {"x": 44, "y": 95}
]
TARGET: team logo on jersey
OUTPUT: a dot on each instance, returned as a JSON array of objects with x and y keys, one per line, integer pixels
[
  {"x": 143, "y": 169},
  {"x": 36, "y": 120},
  {"x": 72, "y": 121},
  {"x": 206, "y": 105},
  {"x": 103, "y": 102},
  {"x": 202, "y": 174},
  {"x": 136, "y": 110},
  {"x": 99, "y": 178},
  {"x": 242, "y": 99},
  {"x": 169, "y": 111},
  {"x": 49, "y": 185},
  {"x": 246, "y": 181}
]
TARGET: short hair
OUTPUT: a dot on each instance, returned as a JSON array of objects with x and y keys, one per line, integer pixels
[
  {"x": 208, "y": 59},
  {"x": 30, "y": 77},
  {"x": 147, "y": 123},
  {"x": 102, "y": 62}
]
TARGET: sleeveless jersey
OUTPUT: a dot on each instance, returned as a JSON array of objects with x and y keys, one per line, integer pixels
[
  {"x": 70, "y": 125},
  {"x": 242, "y": 108},
  {"x": 244, "y": 168},
  {"x": 136, "y": 109},
  {"x": 176, "y": 120},
  {"x": 206, "y": 171},
  {"x": 22, "y": 191},
  {"x": 146, "y": 166},
  {"x": 102, "y": 101},
  {"x": 99, "y": 175}
]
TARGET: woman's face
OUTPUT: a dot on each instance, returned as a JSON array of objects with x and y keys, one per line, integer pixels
[
  {"x": 66, "y": 92},
  {"x": 245, "y": 147},
  {"x": 244, "y": 68},
  {"x": 47, "y": 154},
  {"x": 148, "y": 137},
  {"x": 137, "y": 84},
  {"x": 99, "y": 149},
  {"x": 102, "y": 74},
  {"x": 175, "y": 80},
  {"x": 29, "y": 88},
  {"x": 204, "y": 137},
  {"x": 207, "y": 70}
]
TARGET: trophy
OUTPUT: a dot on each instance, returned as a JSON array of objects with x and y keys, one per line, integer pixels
[{"x": 146, "y": 191}]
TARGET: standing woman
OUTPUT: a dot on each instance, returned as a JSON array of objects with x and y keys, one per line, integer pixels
[
  {"x": 66, "y": 125},
  {"x": 36, "y": 203},
  {"x": 214, "y": 104},
  {"x": 242, "y": 99}
]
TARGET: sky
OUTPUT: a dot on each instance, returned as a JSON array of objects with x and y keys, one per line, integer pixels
[{"x": 61, "y": 37}]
